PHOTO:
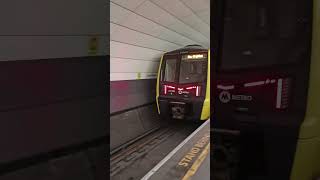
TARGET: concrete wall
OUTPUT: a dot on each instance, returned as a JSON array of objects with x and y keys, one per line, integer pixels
[
  {"x": 38, "y": 29},
  {"x": 129, "y": 94},
  {"x": 53, "y": 88}
]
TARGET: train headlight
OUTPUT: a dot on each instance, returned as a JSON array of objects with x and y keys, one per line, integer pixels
[
  {"x": 198, "y": 92},
  {"x": 195, "y": 89}
]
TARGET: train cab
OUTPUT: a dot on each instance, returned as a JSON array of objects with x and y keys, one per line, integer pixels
[
  {"x": 183, "y": 84},
  {"x": 265, "y": 82}
]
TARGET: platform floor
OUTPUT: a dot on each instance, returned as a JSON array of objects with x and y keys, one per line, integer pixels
[{"x": 189, "y": 160}]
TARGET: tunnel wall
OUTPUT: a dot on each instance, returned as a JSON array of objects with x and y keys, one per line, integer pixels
[{"x": 53, "y": 83}]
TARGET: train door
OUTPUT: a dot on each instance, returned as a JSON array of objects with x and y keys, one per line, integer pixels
[{"x": 261, "y": 82}]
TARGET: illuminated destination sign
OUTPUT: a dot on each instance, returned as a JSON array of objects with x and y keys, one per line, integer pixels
[{"x": 194, "y": 56}]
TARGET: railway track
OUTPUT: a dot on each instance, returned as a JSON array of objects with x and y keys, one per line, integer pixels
[{"x": 138, "y": 148}]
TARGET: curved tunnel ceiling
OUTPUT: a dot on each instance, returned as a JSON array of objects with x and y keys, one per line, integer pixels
[{"x": 142, "y": 30}]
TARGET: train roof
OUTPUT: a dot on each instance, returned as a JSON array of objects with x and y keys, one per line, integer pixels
[{"x": 188, "y": 49}]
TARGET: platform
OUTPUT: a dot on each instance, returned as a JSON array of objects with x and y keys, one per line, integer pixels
[{"x": 189, "y": 160}]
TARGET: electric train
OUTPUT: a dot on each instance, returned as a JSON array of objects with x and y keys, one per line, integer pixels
[
  {"x": 266, "y": 95},
  {"x": 183, "y": 84}
]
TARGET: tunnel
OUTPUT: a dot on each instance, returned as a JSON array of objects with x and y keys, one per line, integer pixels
[{"x": 140, "y": 32}]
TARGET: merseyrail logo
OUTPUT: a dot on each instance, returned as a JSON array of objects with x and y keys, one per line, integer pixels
[{"x": 225, "y": 96}]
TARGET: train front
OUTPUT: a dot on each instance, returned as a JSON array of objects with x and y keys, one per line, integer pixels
[{"x": 183, "y": 85}]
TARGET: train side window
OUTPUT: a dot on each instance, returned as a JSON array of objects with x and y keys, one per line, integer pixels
[{"x": 170, "y": 70}]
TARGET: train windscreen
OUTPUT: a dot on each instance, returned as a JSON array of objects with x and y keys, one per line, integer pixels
[
  {"x": 264, "y": 33},
  {"x": 193, "y": 68}
]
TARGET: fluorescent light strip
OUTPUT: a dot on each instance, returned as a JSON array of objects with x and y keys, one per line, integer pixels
[
  {"x": 225, "y": 87},
  {"x": 258, "y": 83},
  {"x": 197, "y": 91},
  {"x": 279, "y": 94}
]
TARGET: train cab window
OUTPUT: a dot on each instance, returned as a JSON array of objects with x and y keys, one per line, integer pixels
[
  {"x": 192, "y": 70},
  {"x": 264, "y": 33},
  {"x": 170, "y": 70}
]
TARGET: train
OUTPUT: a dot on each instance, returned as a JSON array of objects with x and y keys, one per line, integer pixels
[
  {"x": 266, "y": 96},
  {"x": 183, "y": 84}
]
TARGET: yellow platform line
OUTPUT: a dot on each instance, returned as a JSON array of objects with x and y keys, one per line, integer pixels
[{"x": 197, "y": 163}]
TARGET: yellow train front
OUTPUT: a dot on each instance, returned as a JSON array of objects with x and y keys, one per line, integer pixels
[{"x": 183, "y": 84}]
